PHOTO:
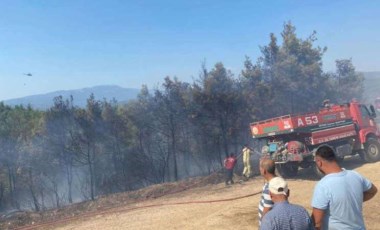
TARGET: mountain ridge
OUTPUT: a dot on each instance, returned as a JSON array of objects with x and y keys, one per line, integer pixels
[
  {"x": 122, "y": 95},
  {"x": 80, "y": 96}
]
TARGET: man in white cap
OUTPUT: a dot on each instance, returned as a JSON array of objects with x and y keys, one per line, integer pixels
[{"x": 284, "y": 216}]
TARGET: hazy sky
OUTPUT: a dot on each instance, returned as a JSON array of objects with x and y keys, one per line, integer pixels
[{"x": 71, "y": 44}]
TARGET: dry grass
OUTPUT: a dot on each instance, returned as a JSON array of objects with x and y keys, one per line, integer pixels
[{"x": 236, "y": 214}]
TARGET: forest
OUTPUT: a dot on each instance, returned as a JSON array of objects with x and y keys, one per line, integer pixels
[{"x": 68, "y": 154}]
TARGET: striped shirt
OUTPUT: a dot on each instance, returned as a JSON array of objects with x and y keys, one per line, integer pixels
[
  {"x": 265, "y": 201},
  {"x": 285, "y": 216}
]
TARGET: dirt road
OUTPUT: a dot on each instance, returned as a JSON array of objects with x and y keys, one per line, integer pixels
[{"x": 234, "y": 214}]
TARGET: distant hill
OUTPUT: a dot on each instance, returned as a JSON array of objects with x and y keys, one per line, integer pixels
[
  {"x": 122, "y": 95},
  {"x": 371, "y": 85},
  {"x": 45, "y": 101}
]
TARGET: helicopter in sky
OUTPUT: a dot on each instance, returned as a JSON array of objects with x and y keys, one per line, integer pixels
[{"x": 28, "y": 74}]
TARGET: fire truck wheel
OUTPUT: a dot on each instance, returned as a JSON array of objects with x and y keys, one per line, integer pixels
[
  {"x": 372, "y": 150},
  {"x": 287, "y": 169}
]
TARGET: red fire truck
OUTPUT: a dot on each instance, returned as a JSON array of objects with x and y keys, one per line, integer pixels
[{"x": 292, "y": 140}]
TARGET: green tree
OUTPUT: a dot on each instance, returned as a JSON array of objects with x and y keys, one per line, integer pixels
[
  {"x": 170, "y": 113},
  {"x": 149, "y": 162},
  {"x": 218, "y": 104},
  {"x": 89, "y": 139},
  {"x": 257, "y": 93},
  {"x": 294, "y": 72},
  {"x": 8, "y": 153},
  {"x": 60, "y": 127},
  {"x": 348, "y": 83},
  {"x": 118, "y": 142}
]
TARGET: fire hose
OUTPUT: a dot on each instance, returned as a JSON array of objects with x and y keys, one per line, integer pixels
[
  {"x": 110, "y": 210},
  {"x": 182, "y": 188}
]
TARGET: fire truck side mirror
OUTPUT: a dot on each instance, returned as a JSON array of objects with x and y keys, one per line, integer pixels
[{"x": 373, "y": 111}]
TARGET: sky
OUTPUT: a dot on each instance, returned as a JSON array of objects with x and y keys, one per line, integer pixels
[{"x": 73, "y": 44}]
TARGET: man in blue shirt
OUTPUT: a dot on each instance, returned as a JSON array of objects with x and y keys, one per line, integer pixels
[
  {"x": 284, "y": 216},
  {"x": 338, "y": 197}
]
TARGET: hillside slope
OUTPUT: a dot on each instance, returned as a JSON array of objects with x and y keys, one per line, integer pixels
[
  {"x": 214, "y": 206},
  {"x": 80, "y": 96}
]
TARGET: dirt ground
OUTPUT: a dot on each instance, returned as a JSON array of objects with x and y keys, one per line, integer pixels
[{"x": 180, "y": 210}]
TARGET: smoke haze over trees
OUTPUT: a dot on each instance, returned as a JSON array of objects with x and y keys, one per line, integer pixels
[{"x": 67, "y": 154}]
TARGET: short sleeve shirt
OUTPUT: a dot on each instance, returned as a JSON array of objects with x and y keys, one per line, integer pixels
[
  {"x": 285, "y": 216},
  {"x": 265, "y": 201},
  {"x": 341, "y": 196}
]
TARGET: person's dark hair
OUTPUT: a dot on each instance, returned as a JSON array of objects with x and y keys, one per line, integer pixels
[
  {"x": 269, "y": 166},
  {"x": 231, "y": 155},
  {"x": 326, "y": 153}
]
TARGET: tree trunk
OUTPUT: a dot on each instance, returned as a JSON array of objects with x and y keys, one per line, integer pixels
[
  {"x": 69, "y": 176},
  {"x": 173, "y": 145},
  {"x": 55, "y": 189},
  {"x": 90, "y": 168},
  {"x": 32, "y": 192},
  {"x": 174, "y": 155},
  {"x": 11, "y": 186},
  {"x": 42, "y": 199},
  {"x": 2, "y": 189}
]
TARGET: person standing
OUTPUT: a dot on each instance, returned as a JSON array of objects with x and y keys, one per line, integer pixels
[
  {"x": 229, "y": 164},
  {"x": 283, "y": 215},
  {"x": 246, "y": 161},
  {"x": 267, "y": 170},
  {"x": 338, "y": 197},
  {"x": 326, "y": 103}
]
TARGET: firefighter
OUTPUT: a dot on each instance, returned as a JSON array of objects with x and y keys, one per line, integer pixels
[
  {"x": 229, "y": 164},
  {"x": 326, "y": 103},
  {"x": 246, "y": 161}
]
